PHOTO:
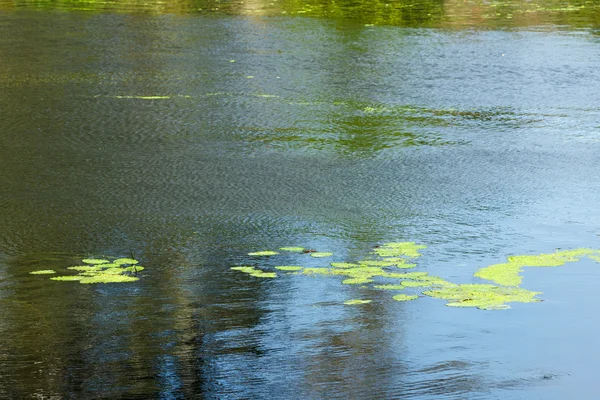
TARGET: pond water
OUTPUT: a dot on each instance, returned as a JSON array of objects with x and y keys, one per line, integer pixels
[{"x": 189, "y": 134}]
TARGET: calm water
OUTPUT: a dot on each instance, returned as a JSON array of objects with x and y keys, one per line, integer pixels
[{"x": 189, "y": 134}]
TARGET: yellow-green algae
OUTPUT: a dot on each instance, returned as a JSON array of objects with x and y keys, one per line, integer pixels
[
  {"x": 43, "y": 272},
  {"x": 103, "y": 271},
  {"x": 125, "y": 261},
  {"x": 94, "y": 261},
  {"x": 482, "y": 296},
  {"x": 399, "y": 249},
  {"x": 321, "y": 254},
  {"x": 507, "y": 274},
  {"x": 288, "y": 268},
  {"x": 405, "y": 297},
  {"x": 68, "y": 278},
  {"x": 356, "y": 301},
  {"x": 255, "y": 272},
  {"x": 263, "y": 253},
  {"x": 389, "y": 287},
  {"x": 344, "y": 265},
  {"x": 292, "y": 249},
  {"x": 108, "y": 278}
]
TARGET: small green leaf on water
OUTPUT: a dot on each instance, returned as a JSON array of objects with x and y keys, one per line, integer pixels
[
  {"x": 293, "y": 249},
  {"x": 261, "y": 274},
  {"x": 356, "y": 281},
  {"x": 125, "y": 261},
  {"x": 288, "y": 268},
  {"x": 263, "y": 253},
  {"x": 356, "y": 301},
  {"x": 344, "y": 265},
  {"x": 94, "y": 261},
  {"x": 107, "y": 278},
  {"x": 68, "y": 278},
  {"x": 321, "y": 254},
  {"x": 389, "y": 287},
  {"x": 84, "y": 268},
  {"x": 404, "y": 297},
  {"x": 133, "y": 268},
  {"x": 43, "y": 272}
]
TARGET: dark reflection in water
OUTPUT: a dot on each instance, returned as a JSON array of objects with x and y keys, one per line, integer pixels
[{"x": 191, "y": 139}]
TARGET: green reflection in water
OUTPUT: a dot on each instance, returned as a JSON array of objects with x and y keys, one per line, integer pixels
[
  {"x": 395, "y": 254},
  {"x": 423, "y": 13}
]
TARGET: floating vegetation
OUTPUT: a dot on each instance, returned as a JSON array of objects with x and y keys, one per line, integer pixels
[
  {"x": 94, "y": 261},
  {"x": 263, "y": 253},
  {"x": 383, "y": 262},
  {"x": 100, "y": 271},
  {"x": 507, "y": 274},
  {"x": 405, "y": 297},
  {"x": 320, "y": 254},
  {"x": 356, "y": 301},
  {"x": 292, "y": 249},
  {"x": 483, "y": 296},
  {"x": 255, "y": 272},
  {"x": 288, "y": 268},
  {"x": 43, "y": 272},
  {"x": 127, "y": 261},
  {"x": 389, "y": 287},
  {"x": 399, "y": 249}
]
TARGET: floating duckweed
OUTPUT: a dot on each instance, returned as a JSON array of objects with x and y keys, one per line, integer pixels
[
  {"x": 94, "y": 261},
  {"x": 389, "y": 287},
  {"x": 318, "y": 271},
  {"x": 321, "y": 254},
  {"x": 263, "y": 253},
  {"x": 255, "y": 272},
  {"x": 288, "y": 268},
  {"x": 112, "y": 271},
  {"x": 403, "y": 275},
  {"x": 389, "y": 262},
  {"x": 43, "y": 272},
  {"x": 399, "y": 249},
  {"x": 482, "y": 295},
  {"x": 356, "y": 281},
  {"x": 133, "y": 268},
  {"x": 507, "y": 274},
  {"x": 125, "y": 261},
  {"x": 357, "y": 301},
  {"x": 417, "y": 283},
  {"x": 344, "y": 265},
  {"x": 292, "y": 249},
  {"x": 84, "y": 268},
  {"x": 405, "y": 297},
  {"x": 108, "y": 278},
  {"x": 68, "y": 278}
]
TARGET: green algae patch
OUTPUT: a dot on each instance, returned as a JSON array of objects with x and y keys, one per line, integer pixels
[
  {"x": 108, "y": 278},
  {"x": 125, "y": 261},
  {"x": 85, "y": 268},
  {"x": 507, "y": 274},
  {"x": 255, "y": 272},
  {"x": 344, "y": 265},
  {"x": 43, "y": 272},
  {"x": 68, "y": 278},
  {"x": 288, "y": 268},
  {"x": 388, "y": 262},
  {"x": 389, "y": 287},
  {"x": 482, "y": 296},
  {"x": 356, "y": 281},
  {"x": 94, "y": 261},
  {"x": 356, "y": 301},
  {"x": 405, "y": 297},
  {"x": 292, "y": 249},
  {"x": 321, "y": 254},
  {"x": 318, "y": 271},
  {"x": 399, "y": 249},
  {"x": 417, "y": 284},
  {"x": 263, "y": 253}
]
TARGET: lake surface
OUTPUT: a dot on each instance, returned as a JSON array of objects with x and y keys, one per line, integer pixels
[{"x": 189, "y": 134}]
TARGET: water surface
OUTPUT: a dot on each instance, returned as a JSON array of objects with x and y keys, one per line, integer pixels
[{"x": 189, "y": 134}]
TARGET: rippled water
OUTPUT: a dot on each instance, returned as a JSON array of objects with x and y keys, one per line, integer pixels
[{"x": 189, "y": 134}]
